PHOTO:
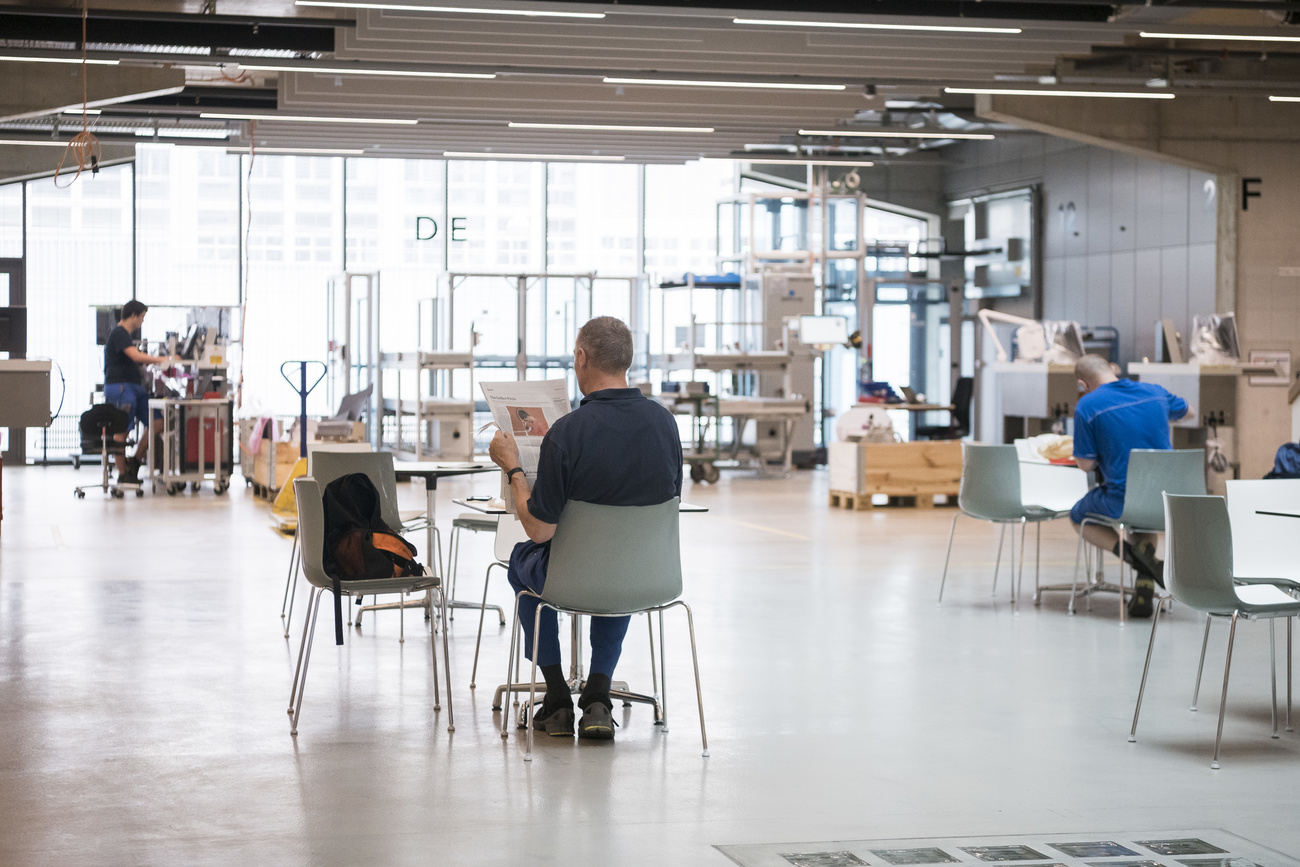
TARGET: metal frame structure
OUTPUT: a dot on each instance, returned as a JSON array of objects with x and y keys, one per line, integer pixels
[{"x": 352, "y": 327}]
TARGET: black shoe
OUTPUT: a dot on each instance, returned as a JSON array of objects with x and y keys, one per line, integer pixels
[
  {"x": 1146, "y": 552},
  {"x": 557, "y": 722},
  {"x": 131, "y": 474},
  {"x": 1140, "y": 604},
  {"x": 597, "y": 722}
]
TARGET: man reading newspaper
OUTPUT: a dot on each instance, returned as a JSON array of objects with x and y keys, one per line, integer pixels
[{"x": 618, "y": 448}]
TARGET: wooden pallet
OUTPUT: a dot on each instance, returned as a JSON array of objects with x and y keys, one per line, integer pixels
[{"x": 862, "y": 502}]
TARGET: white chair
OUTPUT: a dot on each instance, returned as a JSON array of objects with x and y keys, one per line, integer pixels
[
  {"x": 311, "y": 531},
  {"x": 509, "y": 532},
  {"x": 1198, "y": 573},
  {"x": 468, "y": 522}
]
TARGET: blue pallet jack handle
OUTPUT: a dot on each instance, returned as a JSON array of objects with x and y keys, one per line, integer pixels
[{"x": 303, "y": 390}]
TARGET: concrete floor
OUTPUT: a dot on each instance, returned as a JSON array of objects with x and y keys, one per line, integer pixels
[{"x": 144, "y": 678}]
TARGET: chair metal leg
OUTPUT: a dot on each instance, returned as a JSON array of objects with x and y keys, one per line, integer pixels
[
  {"x": 510, "y": 665},
  {"x": 944, "y": 579},
  {"x": 453, "y": 560},
  {"x": 532, "y": 686},
  {"x": 433, "y": 641},
  {"x": 1200, "y": 666},
  {"x": 1288, "y": 675},
  {"x": 1119, "y": 573},
  {"x": 695, "y": 660},
  {"x": 446, "y": 658},
  {"x": 313, "y": 609},
  {"x": 1038, "y": 556},
  {"x": 1074, "y": 585},
  {"x": 482, "y": 612},
  {"x": 1155, "y": 621},
  {"x": 654, "y": 674},
  {"x": 663, "y": 673},
  {"x": 1020, "y": 580},
  {"x": 306, "y": 624},
  {"x": 1272, "y": 668},
  {"x": 1223, "y": 701},
  {"x": 293, "y": 593},
  {"x": 293, "y": 556},
  {"x": 997, "y": 564}
]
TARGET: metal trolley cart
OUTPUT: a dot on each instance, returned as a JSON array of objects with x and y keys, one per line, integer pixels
[{"x": 197, "y": 445}]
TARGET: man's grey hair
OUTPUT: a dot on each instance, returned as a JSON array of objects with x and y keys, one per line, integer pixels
[
  {"x": 1093, "y": 369},
  {"x": 608, "y": 343}
]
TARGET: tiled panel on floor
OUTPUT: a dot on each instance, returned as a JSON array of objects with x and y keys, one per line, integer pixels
[{"x": 1118, "y": 850}]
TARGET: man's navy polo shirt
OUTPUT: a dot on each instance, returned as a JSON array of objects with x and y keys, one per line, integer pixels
[
  {"x": 1115, "y": 418},
  {"x": 618, "y": 448}
]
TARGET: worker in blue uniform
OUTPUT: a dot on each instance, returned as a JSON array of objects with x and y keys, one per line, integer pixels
[{"x": 1113, "y": 417}]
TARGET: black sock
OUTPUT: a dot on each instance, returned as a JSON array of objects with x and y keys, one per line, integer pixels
[
  {"x": 557, "y": 688},
  {"x": 597, "y": 689}
]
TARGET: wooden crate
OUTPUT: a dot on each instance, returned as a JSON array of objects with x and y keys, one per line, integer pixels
[{"x": 920, "y": 469}]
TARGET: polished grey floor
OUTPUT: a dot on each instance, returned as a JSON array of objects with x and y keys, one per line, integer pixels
[{"x": 144, "y": 678}]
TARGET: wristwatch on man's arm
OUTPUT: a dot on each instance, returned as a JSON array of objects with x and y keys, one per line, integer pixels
[{"x": 510, "y": 474}]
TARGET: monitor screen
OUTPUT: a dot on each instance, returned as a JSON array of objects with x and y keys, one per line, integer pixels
[{"x": 821, "y": 330}]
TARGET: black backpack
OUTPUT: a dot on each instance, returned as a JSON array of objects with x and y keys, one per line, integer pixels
[{"x": 358, "y": 544}]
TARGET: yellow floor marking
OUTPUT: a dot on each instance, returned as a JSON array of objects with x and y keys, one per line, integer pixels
[{"x": 761, "y": 527}]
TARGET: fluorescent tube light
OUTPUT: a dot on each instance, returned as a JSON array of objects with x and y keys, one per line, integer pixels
[
  {"x": 214, "y": 115},
  {"x": 609, "y": 126},
  {"x": 305, "y": 151},
  {"x": 183, "y": 132},
  {"x": 541, "y": 158},
  {"x": 20, "y": 59},
  {"x": 785, "y": 161},
  {"x": 343, "y": 70},
  {"x": 854, "y": 25},
  {"x": 1109, "y": 94},
  {"x": 1284, "y": 99},
  {"x": 892, "y": 134},
  {"x": 407, "y": 7},
  {"x": 761, "y": 85},
  {"x": 79, "y": 111},
  {"x": 1230, "y": 37},
  {"x": 34, "y": 143}
]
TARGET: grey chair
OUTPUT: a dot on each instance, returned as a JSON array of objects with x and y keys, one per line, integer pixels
[
  {"x": 326, "y": 466},
  {"x": 311, "y": 531},
  {"x": 611, "y": 561},
  {"x": 508, "y": 532},
  {"x": 1198, "y": 573},
  {"x": 990, "y": 491},
  {"x": 1151, "y": 473},
  {"x": 471, "y": 522}
]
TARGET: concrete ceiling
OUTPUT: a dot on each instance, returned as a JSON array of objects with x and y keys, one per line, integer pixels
[{"x": 553, "y": 70}]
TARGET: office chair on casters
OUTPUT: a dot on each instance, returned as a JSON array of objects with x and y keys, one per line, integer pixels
[
  {"x": 1151, "y": 473},
  {"x": 634, "y": 567},
  {"x": 98, "y": 426},
  {"x": 990, "y": 491},
  {"x": 311, "y": 528},
  {"x": 1198, "y": 573},
  {"x": 959, "y": 425}
]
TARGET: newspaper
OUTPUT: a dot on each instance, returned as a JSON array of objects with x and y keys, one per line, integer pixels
[{"x": 527, "y": 410}]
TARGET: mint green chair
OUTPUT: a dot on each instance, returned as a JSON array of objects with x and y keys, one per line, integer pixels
[
  {"x": 1198, "y": 573},
  {"x": 990, "y": 491},
  {"x": 1151, "y": 473},
  {"x": 612, "y": 561}
]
